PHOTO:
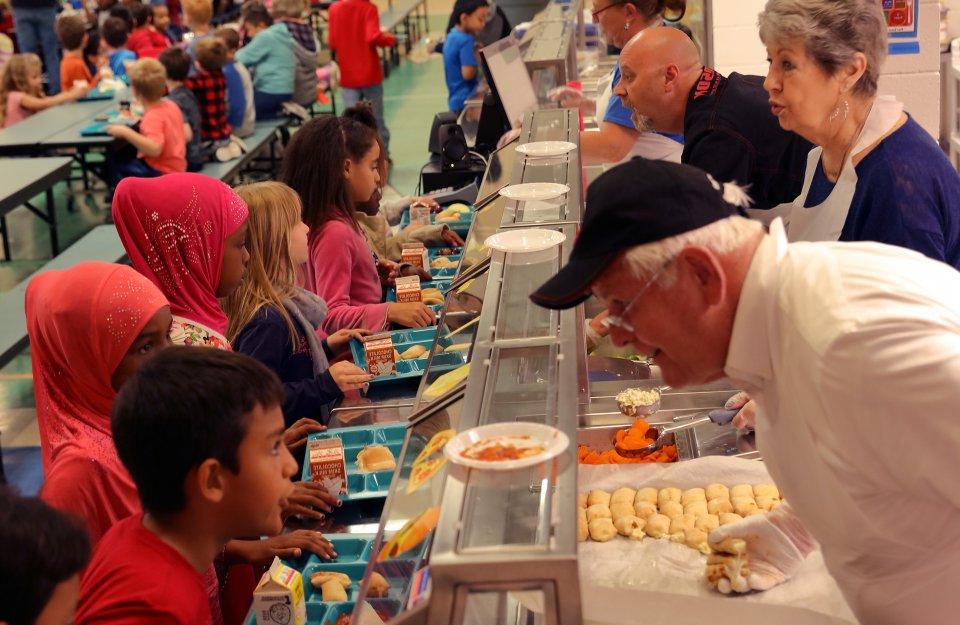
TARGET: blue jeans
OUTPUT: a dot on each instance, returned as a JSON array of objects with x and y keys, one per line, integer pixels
[
  {"x": 268, "y": 105},
  {"x": 374, "y": 95},
  {"x": 35, "y": 32},
  {"x": 120, "y": 166}
]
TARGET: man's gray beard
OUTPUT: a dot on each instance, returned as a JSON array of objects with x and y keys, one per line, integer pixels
[{"x": 641, "y": 122}]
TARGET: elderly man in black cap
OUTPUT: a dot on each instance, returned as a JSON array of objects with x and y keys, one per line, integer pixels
[{"x": 852, "y": 352}]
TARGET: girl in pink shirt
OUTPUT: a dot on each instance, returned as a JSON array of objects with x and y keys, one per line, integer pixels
[
  {"x": 21, "y": 90},
  {"x": 333, "y": 164}
]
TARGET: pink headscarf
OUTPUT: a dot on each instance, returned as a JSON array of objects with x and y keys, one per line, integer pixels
[
  {"x": 174, "y": 228},
  {"x": 81, "y": 322}
]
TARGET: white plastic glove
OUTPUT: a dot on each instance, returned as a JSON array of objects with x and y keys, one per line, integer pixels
[
  {"x": 746, "y": 419},
  {"x": 507, "y": 137},
  {"x": 758, "y": 553},
  {"x": 568, "y": 97}
]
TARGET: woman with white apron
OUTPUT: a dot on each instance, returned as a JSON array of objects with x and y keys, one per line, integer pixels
[
  {"x": 876, "y": 174},
  {"x": 618, "y": 137}
]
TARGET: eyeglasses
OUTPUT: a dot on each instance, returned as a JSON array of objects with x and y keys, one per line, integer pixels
[
  {"x": 596, "y": 14},
  {"x": 620, "y": 320}
]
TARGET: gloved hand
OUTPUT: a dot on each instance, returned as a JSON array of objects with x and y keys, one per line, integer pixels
[
  {"x": 507, "y": 137},
  {"x": 568, "y": 97},
  {"x": 758, "y": 553},
  {"x": 746, "y": 419}
]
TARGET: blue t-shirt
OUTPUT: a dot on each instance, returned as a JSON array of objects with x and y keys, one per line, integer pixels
[
  {"x": 458, "y": 52},
  {"x": 236, "y": 97},
  {"x": 617, "y": 113},
  {"x": 907, "y": 194},
  {"x": 117, "y": 60}
]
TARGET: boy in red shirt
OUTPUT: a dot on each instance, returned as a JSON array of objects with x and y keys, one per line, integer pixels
[
  {"x": 72, "y": 31},
  {"x": 210, "y": 86},
  {"x": 208, "y": 466},
  {"x": 145, "y": 40},
  {"x": 355, "y": 36},
  {"x": 161, "y": 143}
]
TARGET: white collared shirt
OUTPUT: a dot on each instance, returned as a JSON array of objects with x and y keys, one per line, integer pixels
[{"x": 852, "y": 351}]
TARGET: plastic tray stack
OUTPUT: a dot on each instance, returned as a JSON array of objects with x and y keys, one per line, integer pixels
[
  {"x": 353, "y": 553},
  {"x": 460, "y": 226},
  {"x": 372, "y": 485},
  {"x": 411, "y": 370}
]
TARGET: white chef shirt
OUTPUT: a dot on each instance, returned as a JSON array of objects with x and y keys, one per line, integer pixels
[{"x": 852, "y": 352}]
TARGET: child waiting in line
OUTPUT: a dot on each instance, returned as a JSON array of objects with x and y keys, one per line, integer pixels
[
  {"x": 42, "y": 553},
  {"x": 161, "y": 142},
  {"x": 459, "y": 53},
  {"x": 332, "y": 164},
  {"x": 177, "y": 63},
  {"x": 269, "y": 55},
  {"x": 113, "y": 41},
  {"x": 290, "y": 13},
  {"x": 241, "y": 113},
  {"x": 275, "y": 321},
  {"x": 355, "y": 35},
  {"x": 145, "y": 40},
  {"x": 21, "y": 90},
  {"x": 196, "y": 18},
  {"x": 210, "y": 86},
  {"x": 72, "y": 31},
  {"x": 209, "y": 464}
]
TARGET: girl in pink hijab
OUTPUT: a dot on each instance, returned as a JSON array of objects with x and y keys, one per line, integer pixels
[
  {"x": 90, "y": 327},
  {"x": 186, "y": 233}
]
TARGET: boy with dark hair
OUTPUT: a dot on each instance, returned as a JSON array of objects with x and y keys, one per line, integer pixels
[
  {"x": 113, "y": 40},
  {"x": 177, "y": 63},
  {"x": 42, "y": 553},
  {"x": 269, "y": 55},
  {"x": 210, "y": 86},
  {"x": 72, "y": 31},
  {"x": 163, "y": 22},
  {"x": 241, "y": 113},
  {"x": 208, "y": 467},
  {"x": 145, "y": 40}
]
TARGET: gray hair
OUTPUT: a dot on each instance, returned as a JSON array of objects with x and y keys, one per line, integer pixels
[
  {"x": 832, "y": 31},
  {"x": 288, "y": 8},
  {"x": 721, "y": 237}
]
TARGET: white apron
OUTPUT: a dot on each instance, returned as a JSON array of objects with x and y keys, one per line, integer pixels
[
  {"x": 825, "y": 221},
  {"x": 649, "y": 144}
]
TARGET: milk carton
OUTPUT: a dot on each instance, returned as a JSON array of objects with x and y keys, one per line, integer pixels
[
  {"x": 328, "y": 465},
  {"x": 379, "y": 351},
  {"x": 420, "y": 214},
  {"x": 278, "y": 599},
  {"x": 416, "y": 254},
  {"x": 408, "y": 289}
]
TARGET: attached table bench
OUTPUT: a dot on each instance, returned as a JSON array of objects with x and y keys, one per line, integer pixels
[{"x": 24, "y": 179}]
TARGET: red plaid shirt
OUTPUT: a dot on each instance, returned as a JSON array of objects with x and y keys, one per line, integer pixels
[{"x": 211, "y": 91}]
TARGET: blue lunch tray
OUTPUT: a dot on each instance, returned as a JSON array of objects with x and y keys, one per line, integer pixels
[
  {"x": 461, "y": 226},
  {"x": 373, "y": 485},
  {"x": 441, "y": 283},
  {"x": 413, "y": 368}
]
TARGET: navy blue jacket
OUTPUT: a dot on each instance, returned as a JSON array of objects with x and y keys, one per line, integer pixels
[{"x": 267, "y": 338}]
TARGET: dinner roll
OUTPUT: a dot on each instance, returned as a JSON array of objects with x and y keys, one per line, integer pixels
[
  {"x": 657, "y": 526},
  {"x": 671, "y": 509},
  {"x": 630, "y": 526},
  {"x": 717, "y": 491},
  {"x": 741, "y": 490},
  {"x": 716, "y": 506},
  {"x": 598, "y": 511},
  {"x": 624, "y": 495},
  {"x": 601, "y": 530},
  {"x": 599, "y": 496},
  {"x": 646, "y": 494},
  {"x": 644, "y": 509},
  {"x": 668, "y": 494}
]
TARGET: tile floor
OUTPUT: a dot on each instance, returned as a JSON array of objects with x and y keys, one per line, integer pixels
[{"x": 413, "y": 93}]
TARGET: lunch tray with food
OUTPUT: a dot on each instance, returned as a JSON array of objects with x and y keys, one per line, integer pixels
[
  {"x": 444, "y": 267},
  {"x": 458, "y": 216},
  {"x": 99, "y": 127},
  {"x": 444, "y": 250},
  {"x": 386, "y": 595},
  {"x": 98, "y": 94},
  {"x": 412, "y": 347},
  {"x": 362, "y": 484},
  {"x": 440, "y": 285}
]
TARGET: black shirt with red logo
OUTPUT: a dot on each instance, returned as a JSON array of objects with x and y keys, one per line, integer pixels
[{"x": 730, "y": 132}]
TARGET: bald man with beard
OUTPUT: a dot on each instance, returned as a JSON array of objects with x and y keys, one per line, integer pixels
[{"x": 728, "y": 128}]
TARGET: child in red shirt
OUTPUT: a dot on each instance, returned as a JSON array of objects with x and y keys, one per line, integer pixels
[
  {"x": 209, "y": 464},
  {"x": 161, "y": 142},
  {"x": 72, "y": 31},
  {"x": 210, "y": 86},
  {"x": 145, "y": 40},
  {"x": 354, "y": 36}
]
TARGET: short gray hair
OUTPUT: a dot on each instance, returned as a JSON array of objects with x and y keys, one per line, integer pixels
[
  {"x": 722, "y": 237},
  {"x": 832, "y": 31}
]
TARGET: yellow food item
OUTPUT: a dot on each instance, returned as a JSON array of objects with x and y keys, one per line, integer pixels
[
  {"x": 644, "y": 509},
  {"x": 376, "y": 458},
  {"x": 456, "y": 347},
  {"x": 717, "y": 491},
  {"x": 693, "y": 494},
  {"x": 671, "y": 509},
  {"x": 601, "y": 530},
  {"x": 741, "y": 490},
  {"x": 442, "y": 262},
  {"x": 631, "y": 527},
  {"x": 658, "y": 526},
  {"x": 623, "y": 495},
  {"x": 620, "y": 510},
  {"x": 414, "y": 352},
  {"x": 447, "y": 381},
  {"x": 668, "y": 494},
  {"x": 719, "y": 506},
  {"x": 320, "y": 578},
  {"x": 599, "y": 511},
  {"x": 696, "y": 508},
  {"x": 378, "y": 585},
  {"x": 447, "y": 217},
  {"x": 598, "y": 496},
  {"x": 646, "y": 494},
  {"x": 333, "y": 590},
  {"x": 707, "y": 522},
  {"x": 458, "y": 207},
  {"x": 726, "y": 518},
  {"x": 766, "y": 490}
]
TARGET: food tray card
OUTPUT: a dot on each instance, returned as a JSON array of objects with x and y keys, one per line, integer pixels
[{"x": 660, "y": 566}]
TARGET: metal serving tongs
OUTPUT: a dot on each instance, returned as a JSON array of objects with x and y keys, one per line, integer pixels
[{"x": 721, "y": 416}]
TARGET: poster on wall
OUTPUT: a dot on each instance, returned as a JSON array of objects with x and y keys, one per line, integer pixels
[{"x": 901, "y": 18}]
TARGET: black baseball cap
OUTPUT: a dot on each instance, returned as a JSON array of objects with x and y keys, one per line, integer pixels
[{"x": 639, "y": 202}]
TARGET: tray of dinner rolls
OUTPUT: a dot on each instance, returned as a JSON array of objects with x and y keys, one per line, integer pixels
[
  {"x": 332, "y": 587},
  {"x": 410, "y": 351},
  {"x": 370, "y": 453}
]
